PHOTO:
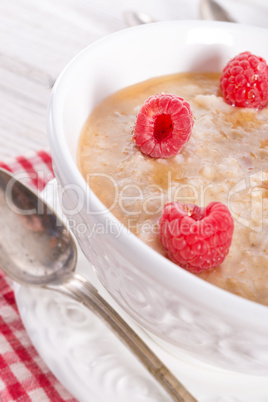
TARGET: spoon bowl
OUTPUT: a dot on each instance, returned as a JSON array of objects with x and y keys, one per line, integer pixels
[{"x": 36, "y": 248}]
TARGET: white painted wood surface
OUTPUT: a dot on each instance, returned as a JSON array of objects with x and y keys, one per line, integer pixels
[{"x": 39, "y": 37}]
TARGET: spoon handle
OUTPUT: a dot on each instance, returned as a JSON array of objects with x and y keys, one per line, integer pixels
[{"x": 81, "y": 290}]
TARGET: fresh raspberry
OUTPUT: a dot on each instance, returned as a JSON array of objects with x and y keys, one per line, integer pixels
[
  {"x": 244, "y": 81},
  {"x": 197, "y": 239},
  {"x": 163, "y": 125}
]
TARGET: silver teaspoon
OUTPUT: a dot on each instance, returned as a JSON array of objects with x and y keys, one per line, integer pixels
[
  {"x": 208, "y": 10},
  {"x": 133, "y": 18},
  {"x": 212, "y": 10},
  {"x": 36, "y": 249}
]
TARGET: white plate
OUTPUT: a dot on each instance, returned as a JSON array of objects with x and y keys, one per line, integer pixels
[{"x": 95, "y": 367}]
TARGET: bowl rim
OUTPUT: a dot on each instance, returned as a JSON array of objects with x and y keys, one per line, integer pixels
[{"x": 218, "y": 300}]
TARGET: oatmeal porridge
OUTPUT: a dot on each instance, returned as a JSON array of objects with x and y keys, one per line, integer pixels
[{"x": 224, "y": 160}]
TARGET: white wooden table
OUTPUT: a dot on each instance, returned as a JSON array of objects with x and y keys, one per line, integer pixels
[{"x": 37, "y": 39}]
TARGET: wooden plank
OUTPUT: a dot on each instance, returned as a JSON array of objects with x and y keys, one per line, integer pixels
[{"x": 37, "y": 40}]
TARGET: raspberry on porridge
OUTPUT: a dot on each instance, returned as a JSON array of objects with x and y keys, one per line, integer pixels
[
  {"x": 244, "y": 81},
  {"x": 197, "y": 239},
  {"x": 163, "y": 125}
]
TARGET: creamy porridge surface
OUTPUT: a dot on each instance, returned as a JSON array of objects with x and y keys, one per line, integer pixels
[{"x": 226, "y": 160}]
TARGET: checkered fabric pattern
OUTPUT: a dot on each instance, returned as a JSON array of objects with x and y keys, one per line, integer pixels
[{"x": 23, "y": 375}]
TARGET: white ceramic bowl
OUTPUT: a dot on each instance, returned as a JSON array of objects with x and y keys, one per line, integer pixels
[{"x": 182, "y": 310}]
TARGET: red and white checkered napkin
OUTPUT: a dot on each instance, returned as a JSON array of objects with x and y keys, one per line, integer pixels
[{"x": 23, "y": 375}]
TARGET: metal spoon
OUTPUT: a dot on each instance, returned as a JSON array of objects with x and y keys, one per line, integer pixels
[
  {"x": 212, "y": 10},
  {"x": 36, "y": 249},
  {"x": 208, "y": 10},
  {"x": 133, "y": 18}
]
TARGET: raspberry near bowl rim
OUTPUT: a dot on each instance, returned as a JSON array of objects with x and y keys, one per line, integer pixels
[{"x": 155, "y": 266}]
